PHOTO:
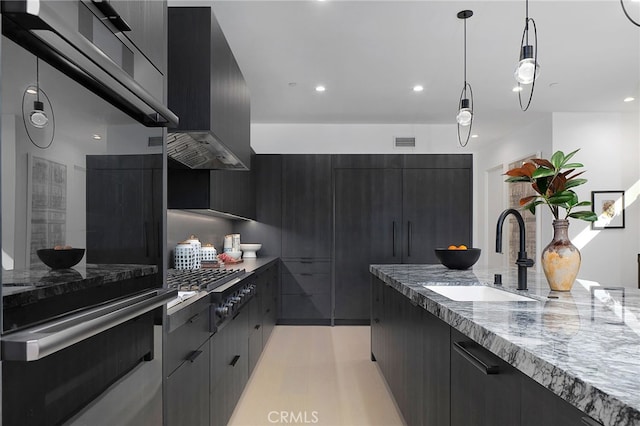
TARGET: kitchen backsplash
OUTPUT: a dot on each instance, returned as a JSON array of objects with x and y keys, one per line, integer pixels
[{"x": 181, "y": 224}]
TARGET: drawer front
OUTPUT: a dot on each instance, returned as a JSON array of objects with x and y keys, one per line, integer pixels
[
  {"x": 314, "y": 306},
  {"x": 306, "y": 267},
  {"x": 306, "y": 284},
  {"x": 182, "y": 342}
]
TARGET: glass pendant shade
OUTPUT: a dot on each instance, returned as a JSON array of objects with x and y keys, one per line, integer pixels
[
  {"x": 37, "y": 117},
  {"x": 465, "y": 114},
  {"x": 527, "y": 69}
]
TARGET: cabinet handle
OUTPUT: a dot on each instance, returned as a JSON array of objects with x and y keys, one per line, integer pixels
[
  {"x": 235, "y": 316},
  {"x": 306, "y": 262},
  {"x": 590, "y": 422},
  {"x": 268, "y": 310},
  {"x": 193, "y": 355},
  {"x": 460, "y": 347},
  {"x": 257, "y": 326},
  {"x": 111, "y": 14},
  {"x": 409, "y": 239},
  {"x": 376, "y": 320},
  {"x": 193, "y": 319},
  {"x": 307, "y": 295},
  {"x": 234, "y": 361},
  {"x": 393, "y": 236}
]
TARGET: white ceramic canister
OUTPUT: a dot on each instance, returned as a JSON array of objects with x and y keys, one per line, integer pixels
[
  {"x": 235, "y": 244},
  {"x": 209, "y": 252},
  {"x": 183, "y": 256},
  {"x": 197, "y": 249}
]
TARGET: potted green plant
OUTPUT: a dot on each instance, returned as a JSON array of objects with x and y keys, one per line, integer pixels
[{"x": 553, "y": 181}]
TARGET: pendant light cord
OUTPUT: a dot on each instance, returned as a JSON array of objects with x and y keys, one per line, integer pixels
[
  {"x": 37, "y": 79},
  {"x": 465, "y": 56}
]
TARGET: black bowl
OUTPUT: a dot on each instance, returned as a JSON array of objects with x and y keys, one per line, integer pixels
[
  {"x": 458, "y": 259},
  {"x": 60, "y": 259}
]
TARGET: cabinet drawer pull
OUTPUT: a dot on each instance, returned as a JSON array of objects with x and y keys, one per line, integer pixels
[
  {"x": 234, "y": 361},
  {"x": 461, "y": 348},
  {"x": 307, "y": 295},
  {"x": 376, "y": 320},
  {"x": 267, "y": 311},
  {"x": 393, "y": 238},
  {"x": 257, "y": 326},
  {"x": 590, "y": 422},
  {"x": 236, "y": 315},
  {"x": 193, "y": 319},
  {"x": 193, "y": 355},
  {"x": 409, "y": 239},
  {"x": 306, "y": 274},
  {"x": 306, "y": 262}
]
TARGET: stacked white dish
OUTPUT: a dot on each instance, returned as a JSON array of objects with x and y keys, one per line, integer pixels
[{"x": 250, "y": 250}]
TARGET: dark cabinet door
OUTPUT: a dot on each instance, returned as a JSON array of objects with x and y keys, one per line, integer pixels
[
  {"x": 187, "y": 397},
  {"x": 485, "y": 391},
  {"x": 540, "y": 406},
  {"x": 306, "y": 206},
  {"x": 368, "y": 228},
  {"x": 436, "y": 211},
  {"x": 435, "y": 370},
  {"x": 377, "y": 321},
  {"x": 124, "y": 209}
]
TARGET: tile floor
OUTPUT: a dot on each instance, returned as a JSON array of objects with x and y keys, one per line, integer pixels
[{"x": 317, "y": 375}]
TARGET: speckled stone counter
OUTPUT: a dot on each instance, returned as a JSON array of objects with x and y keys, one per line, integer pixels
[
  {"x": 24, "y": 287},
  {"x": 583, "y": 345}
]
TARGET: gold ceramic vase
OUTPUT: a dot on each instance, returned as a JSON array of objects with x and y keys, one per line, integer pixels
[{"x": 561, "y": 259}]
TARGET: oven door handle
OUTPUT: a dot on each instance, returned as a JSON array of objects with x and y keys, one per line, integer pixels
[{"x": 37, "y": 342}]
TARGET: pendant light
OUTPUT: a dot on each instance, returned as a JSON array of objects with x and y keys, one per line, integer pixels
[
  {"x": 38, "y": 118},
  {"x": 528, "y": 68},
  {"x": 464, "y": 118},
  {"x": 624, "y": 9}
]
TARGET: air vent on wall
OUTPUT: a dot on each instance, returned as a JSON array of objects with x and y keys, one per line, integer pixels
[{"x": 405, "y": 142}]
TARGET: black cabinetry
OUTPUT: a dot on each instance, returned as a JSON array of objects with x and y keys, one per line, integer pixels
[
  {"x": 386, "y": 212},
  {"x": 124, "y": 209},
  {"x": 224, "y": 191},
  {"x": 439, "y": 376},
  {"x": 307, "y": 227},
  {"x": 484, "y": 389}
]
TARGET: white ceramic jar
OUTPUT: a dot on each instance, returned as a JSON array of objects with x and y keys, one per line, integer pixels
[
  {"x": 197, "y": 250},
  {"x": 183, "y": 256},
  {"x": 209, "y": 252}
]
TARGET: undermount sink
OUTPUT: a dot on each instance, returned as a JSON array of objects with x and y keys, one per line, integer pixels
[{"x": 476, "y": 293}]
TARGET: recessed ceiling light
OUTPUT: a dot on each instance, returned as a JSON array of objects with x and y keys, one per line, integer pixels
[
  {"x": 517, "y": 89},
  {"x": 97, "y": 137},
  {"x": 629, "y": 99},
  {"x": 320, "y": 88},
  {"x": 32, "y": 90},
  {"x": 474, "y": 136},
  {"x": 418, "y": 88}
]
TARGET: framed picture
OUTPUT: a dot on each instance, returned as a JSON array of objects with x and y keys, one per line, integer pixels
[{"x": 609, "y": 207}]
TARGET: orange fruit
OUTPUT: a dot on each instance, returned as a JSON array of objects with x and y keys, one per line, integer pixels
[
  {"x": 452, "y": 247},
  {"x": 462, "y": 247}
]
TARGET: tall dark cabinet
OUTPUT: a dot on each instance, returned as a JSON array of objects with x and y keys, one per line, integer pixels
[
  {"x": 394, "y": 209},
  {"x": 306, "y": 239}
]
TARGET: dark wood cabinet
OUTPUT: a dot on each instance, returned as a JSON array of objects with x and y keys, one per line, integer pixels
[
  {"x": 187, "y": 400},
  {"x": 368, "y": 225},
  {"x": 307, "y": 201},
  {"x": 224, "y": 191},
  {"x": 305, "y": 292},
  {"x": 268, "y": 281},
  {"x": 206, "y": 88},
  {"x": 124, "y": 209},
  {"x": 485, "y": 390},
  {"x": 387, "y": 213}
]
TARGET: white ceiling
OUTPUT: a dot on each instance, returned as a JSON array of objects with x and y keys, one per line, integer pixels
[{"x": 369, "y": 55}]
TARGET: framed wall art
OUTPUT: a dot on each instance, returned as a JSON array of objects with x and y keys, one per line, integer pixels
[{"x": 609, "y": 207}]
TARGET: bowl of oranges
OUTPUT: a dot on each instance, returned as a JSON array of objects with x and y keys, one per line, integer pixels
[{"x": 458, "y": 257}]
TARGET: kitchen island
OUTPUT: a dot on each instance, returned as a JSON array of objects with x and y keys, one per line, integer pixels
[{"x": 583, "y": 345}]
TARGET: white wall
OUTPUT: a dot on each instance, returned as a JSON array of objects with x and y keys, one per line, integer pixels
[
  {"x": 530, "y": 140},
  {"x": 609, "y": 149}
]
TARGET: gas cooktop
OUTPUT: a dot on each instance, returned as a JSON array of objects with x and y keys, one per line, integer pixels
[{"x": 201, "y": 279}]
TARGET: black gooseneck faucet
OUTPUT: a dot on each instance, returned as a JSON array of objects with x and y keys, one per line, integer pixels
[{"x": 523, "y": 262}]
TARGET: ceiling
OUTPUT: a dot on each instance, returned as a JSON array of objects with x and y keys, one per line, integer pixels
[{"x": 370, "y": 54}]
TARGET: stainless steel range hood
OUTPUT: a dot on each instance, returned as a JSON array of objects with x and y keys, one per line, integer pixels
[
  {"x": 207, "y": 89},
  {"x": 79, "y": 40}
]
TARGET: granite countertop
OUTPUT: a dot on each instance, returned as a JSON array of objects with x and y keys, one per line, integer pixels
[
  {"x": 583, "y": 345},
  {"x": 22, "y": 287}
]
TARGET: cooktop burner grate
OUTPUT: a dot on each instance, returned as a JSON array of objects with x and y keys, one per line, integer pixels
[{"x": 201, "y": 279}]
